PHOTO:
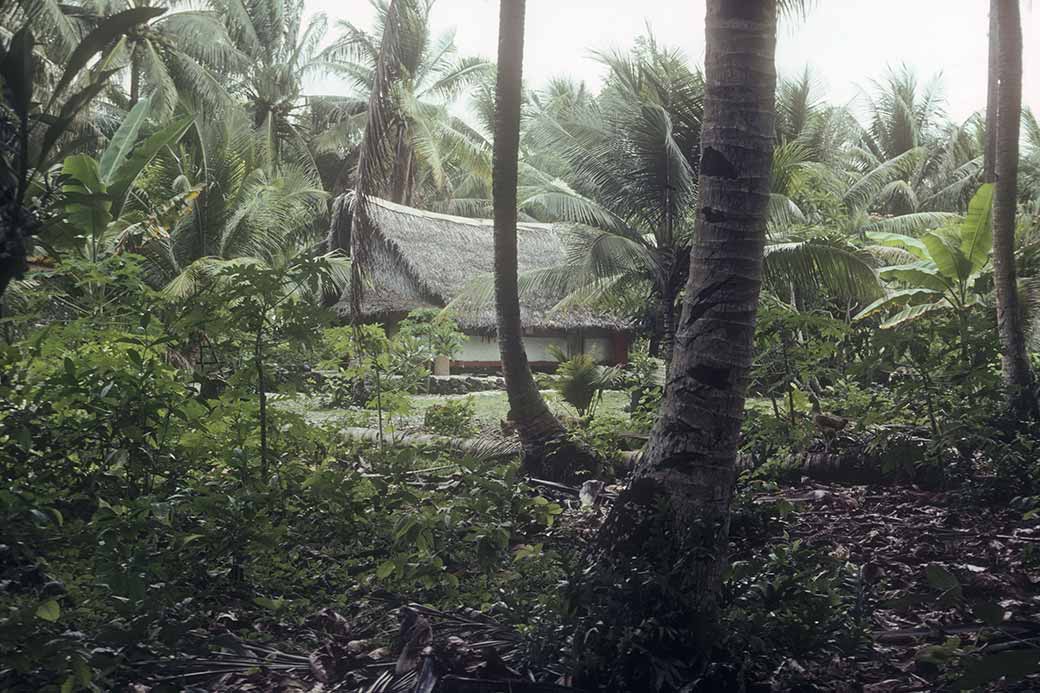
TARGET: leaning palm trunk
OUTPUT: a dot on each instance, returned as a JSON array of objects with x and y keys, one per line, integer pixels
[
  {"x": 667, "y": 534},
  {"x": 989, "y": 159},
  {"x": 375, "y": 155},
  {"x": 547, "y": 452},
  {"x": 1018, "y": 377}
]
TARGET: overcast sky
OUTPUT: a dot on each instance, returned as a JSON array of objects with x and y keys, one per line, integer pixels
[{"x": 846, "y": 42}]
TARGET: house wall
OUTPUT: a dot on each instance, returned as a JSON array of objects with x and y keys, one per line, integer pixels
[
  {"x": 484, "y": 348},
  {"x": 481, "y": 351}
]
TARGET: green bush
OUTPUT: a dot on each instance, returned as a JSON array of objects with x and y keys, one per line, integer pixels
[{"x": 453, "y": 417}]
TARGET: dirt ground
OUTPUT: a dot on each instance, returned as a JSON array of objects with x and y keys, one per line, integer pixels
[
  {"x": 944, "y": 580},
  {"x": 943, "y": 577}
]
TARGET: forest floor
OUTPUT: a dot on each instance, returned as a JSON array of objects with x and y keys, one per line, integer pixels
[
  {"x": 944, "y": 582},
  {"x": 943, "y": 578}
]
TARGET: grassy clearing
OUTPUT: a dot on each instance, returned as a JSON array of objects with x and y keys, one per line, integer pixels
[{"x": 492, "y": 407}]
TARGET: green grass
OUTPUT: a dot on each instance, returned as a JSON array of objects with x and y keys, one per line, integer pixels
[{"x": 491, "y": 406}]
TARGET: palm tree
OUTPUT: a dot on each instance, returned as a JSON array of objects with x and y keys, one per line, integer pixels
[
  {"x": 622, "y": 167},
  {"x": 547, "y": 451},
  {"x": 992, "y": 94},
  {"x": 281, "y": 51},
  {"x": 36, "y": 122},
  {"x": 629, "y": 159},
  {"x": 1017, "y": 373},
  {"x": 1030, "y": 164},
  {"x": 426, "y": 136},
  {"x": 673, "y": 519},
  {"x": 229, "y": 205},
  {"x": 180, "y": 52}
]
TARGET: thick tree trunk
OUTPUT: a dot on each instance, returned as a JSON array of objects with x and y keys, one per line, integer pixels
[
  {"x": 547, "y": 451},
  {"x": 673, "y": 519},
  {"x": 989, "y": 160},
  {"x": 1018, "y": 377}
]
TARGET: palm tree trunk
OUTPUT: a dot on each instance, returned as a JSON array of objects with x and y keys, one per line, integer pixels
[
  {"x": 673, "y": 518},
  {"x": 1018, "y": 377},
  {"x": 547, "y": 451},
  {"x": 667, "y": 325},
  {"x": 401, "y": 183},
  {"x": 989, "y": 160},
  {"x": 375, "y": 156},
  {"x": 135, "y": 82}
]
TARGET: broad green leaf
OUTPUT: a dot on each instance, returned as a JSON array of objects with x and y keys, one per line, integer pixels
[
  {"x": 944, "y": 249},
  {"x": 275, "y": 604},
  {"x": 85, "y": 170},
  {"x": 49, "y": 611},
  {"x": 131, "y": 168},
  {"x": 898, "y": 299},
  {"x": 920, "y": 275},
  {"x": 385, "y": 569},
  {"x": 911, "y": 313},
  {"x": 122, "y": 143},
  {"x": 87, "y": 207},
  {"x": 977, "y": 228},
  {"x": 898, "y": 240}
]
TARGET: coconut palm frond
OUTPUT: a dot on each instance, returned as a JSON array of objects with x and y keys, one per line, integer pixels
[
  {"x": 821, "y": 265},
  {"x": 886, "y": 255},
  {"x": 910, "y": 224},
  {"x": 865, "y": 191}
]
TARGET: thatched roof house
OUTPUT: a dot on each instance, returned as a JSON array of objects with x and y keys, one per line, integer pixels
[{"x": 424, "y": 259}]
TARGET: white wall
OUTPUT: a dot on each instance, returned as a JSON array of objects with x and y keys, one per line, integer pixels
[
  {"x": 482, "y": 348},
  {"x": 599, "y": 348},
  {"x": 478, "y": 348}
]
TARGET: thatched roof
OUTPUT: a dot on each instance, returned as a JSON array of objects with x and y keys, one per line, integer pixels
[{"x": 424, "y": 260}]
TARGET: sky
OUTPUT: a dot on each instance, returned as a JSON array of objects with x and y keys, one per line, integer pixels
[{"x": 847, "y": 43}]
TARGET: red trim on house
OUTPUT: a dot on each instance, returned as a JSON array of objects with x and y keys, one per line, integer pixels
[{"x": 468, "y": 365}]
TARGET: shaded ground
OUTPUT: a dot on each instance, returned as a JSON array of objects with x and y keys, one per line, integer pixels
[
  {"x": 948, "y": 589},
  {"x": 944, "y": 582}
]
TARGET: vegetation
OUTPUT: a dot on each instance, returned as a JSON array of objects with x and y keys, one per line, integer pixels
[{"x": 816, "y": 471}]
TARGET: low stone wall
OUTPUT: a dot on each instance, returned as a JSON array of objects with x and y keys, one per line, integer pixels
[{"x": 463, "y": 384}]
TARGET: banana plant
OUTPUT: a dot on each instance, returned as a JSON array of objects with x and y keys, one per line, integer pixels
[
  {"x": 941, "y": 271},
  {"x": 95, "y": 191},
  {"x": 33, "y": 124}
]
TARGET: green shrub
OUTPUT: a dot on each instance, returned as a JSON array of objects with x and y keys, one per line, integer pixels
[
  {"x": 580, "y": 381},
  {"x": 453, "y": 417},
  {"x": 436, "y": 332}
]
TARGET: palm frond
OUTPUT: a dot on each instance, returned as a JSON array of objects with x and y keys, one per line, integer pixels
[{"x": 833, "y": 268}]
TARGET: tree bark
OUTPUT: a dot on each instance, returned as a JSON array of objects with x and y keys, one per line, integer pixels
[
  {"x": 547, "y": 451},
  {"x": 375, "y": 155},
  {"x": 135, "y": 83},
  {"x": 672, "y": 521},
  {"x": 400, "y": 191},
  {"x": 1015, "y": 367},
  {"x": 989, "y": 160},
  {"x": 667, "y": 326}
]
